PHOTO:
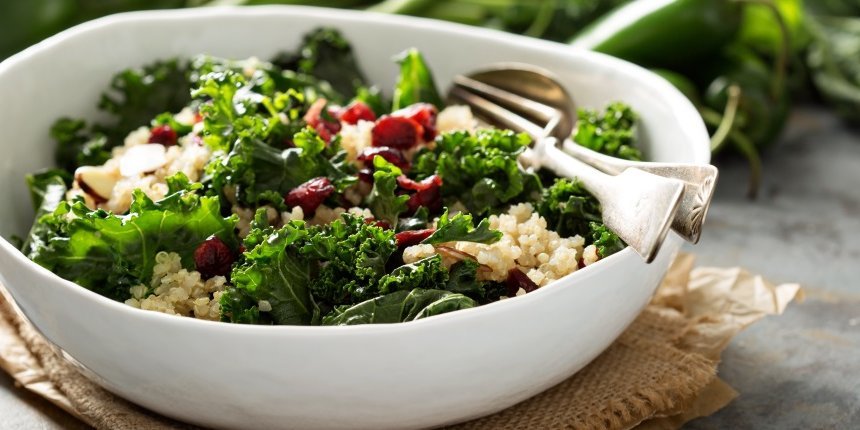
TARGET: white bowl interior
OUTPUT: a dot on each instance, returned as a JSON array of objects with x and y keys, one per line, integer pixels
[{"x": 545, "y": 336}]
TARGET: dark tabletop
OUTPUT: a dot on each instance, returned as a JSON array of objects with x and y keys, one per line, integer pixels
[{"x": 797, "y": 370}]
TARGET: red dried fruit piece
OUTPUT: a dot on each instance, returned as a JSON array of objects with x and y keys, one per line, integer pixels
[
  {"x": 412, "y": 237},
  {"x": 396, "y": 132},
  {"x": 163, "y": 134},
  {"x": 427, "y": 183},
  {"x": 213, "y": 258},
  {"x": 516, "y": 280},
  {"x": 310, "y": 194},
  {"x": 365, "y": 175},
  {"x": 422, "y": 113},
  {"x": 427, "y": 193},
  {"x": 356, "y": 111},
  {"x": 391, "y": 155},
  {"x": 325, "y": 127}
]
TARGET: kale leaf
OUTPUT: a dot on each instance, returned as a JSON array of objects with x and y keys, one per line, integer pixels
[
  {"x": 138, "y": 95},
  {"x": 612, "y": 132},
  {"x": 427, "y": 273},
  {"x": 77, "y": 145},
  {"x": 134, "y": 98},
  {"x": 326, "y": 55},
  {"x": 415, "y": 83},
  {"x": 264, "y": 174},
  {"x": 461, "y": 228},
  {"x": 354, "y": 254},
  {"x": 47, "y": 190},
  {"x": 568, "y": 208},
  {"x": 399, "y": 306},
  {"x": 109, "y": 253},
  {"x": 480, "y": 170},
  {"x": 274, "y": 273},
  {"x": 382, "y": 201},
  {"x": 606, "y": 241}
]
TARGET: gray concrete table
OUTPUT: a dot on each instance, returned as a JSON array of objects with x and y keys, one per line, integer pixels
[{"x": 798, "y": 370}]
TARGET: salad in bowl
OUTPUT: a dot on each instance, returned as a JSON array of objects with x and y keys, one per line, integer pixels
[
  {"x": 216, "y": 227},
  {"x": 290, "y": 191}
]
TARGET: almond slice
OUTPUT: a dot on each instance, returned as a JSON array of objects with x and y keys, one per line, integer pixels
[
  {"x": 142, "y": 158},
  {"x": 98, "y": 182}
]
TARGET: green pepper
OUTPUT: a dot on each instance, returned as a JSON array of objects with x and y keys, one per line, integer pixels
[{"x": 664, "y": 33}]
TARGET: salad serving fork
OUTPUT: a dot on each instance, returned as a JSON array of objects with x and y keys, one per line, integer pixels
[
  {"x": 528, "y": 99},
  {"x": 638, "y": 206}
]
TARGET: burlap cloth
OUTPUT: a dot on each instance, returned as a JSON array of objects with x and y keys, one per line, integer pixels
[{"x": 659, "y": 374}]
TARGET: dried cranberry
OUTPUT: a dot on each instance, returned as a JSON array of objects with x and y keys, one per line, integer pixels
[
  {"x": 213, "y": 258},
  {"x": 391, "y": 155},
  {"x": 365, "y": 175},
  {"x": 516, "y": 280},
  {"x": 310, "y": 194},
  {"x": 429, "y": 182},
  {"x": 356, "y": 111},
  {"x": 422, "y": 113},
  {"x": 396, "y": 132},
  {"x": 326, "y": 127},
  {"x": 428, "y": 193},
  {"x": 163, "y": 134},
  {"x": 412, "y": 237}
]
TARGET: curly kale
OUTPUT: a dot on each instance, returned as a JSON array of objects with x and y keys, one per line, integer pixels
[
  {"x": 326, "y": 54},
  {"x": 606, "y": 241},
  {"x": 263, "y": 174},
  {"x": 272, "y": 272},
  {"x": 109, "y": 253},
  {"x": 354, "y": 254},
  {"x": 568, "y": 208},
  {"x": 383, "y": 202},
  {"x": 611, "y": 132},
  {"x": 427, "y": 273},
  {"x": 138, "y": 95},
  {"x": 480, "y": 169}
]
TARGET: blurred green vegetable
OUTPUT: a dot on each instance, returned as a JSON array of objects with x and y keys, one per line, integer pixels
[
  {"x": 663, "y": 33},
  {"x": 834, "y": 62}
]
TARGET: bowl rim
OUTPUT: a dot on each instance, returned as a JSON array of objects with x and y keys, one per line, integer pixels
[{"x": 681, "y": 106}]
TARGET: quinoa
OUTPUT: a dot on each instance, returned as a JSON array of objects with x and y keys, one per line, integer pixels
[
  {"x": 177, "y": 291},
  {"x": 526, "y": 244}
]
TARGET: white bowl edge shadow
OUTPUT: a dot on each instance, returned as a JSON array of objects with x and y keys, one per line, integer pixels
[{"x": 678, "y": 116}]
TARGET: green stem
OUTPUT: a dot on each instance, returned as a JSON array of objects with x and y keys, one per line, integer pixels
[
  {"x": 543, "y": 19},
  {"x": 728, "y": 118},
  {"x": 401, "y": 7},
  {"x": 748, "y": 149},
  {"x": 783, "y": 47}
]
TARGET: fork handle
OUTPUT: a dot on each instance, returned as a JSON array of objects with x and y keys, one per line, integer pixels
[
  {"x": 699, "y": 183},
  {"x": 637, "y": 206}
]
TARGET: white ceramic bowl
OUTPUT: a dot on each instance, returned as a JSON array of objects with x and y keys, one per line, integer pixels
[{"x": 441, "y": 370}]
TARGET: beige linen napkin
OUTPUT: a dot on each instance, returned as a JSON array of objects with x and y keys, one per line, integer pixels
[{"x": 659, "y": 374}]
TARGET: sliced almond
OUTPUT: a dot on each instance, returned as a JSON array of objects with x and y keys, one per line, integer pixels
[
  {"x": 142, "y": 158},
  {"x": 97, "y": 181}
]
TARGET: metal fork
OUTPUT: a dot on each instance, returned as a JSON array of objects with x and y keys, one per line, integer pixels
[
  {"x": 637, "y": 206},
  {"x": 546, "y": 101}
]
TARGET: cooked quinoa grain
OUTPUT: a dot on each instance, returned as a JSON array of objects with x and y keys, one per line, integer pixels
[
  {"x": 177, "y": 291},
  {"x": 526, "y": 244}
]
